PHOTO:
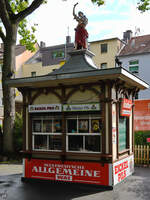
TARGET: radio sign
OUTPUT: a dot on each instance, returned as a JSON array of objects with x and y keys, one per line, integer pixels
[
  {"x": 126, "y": 107},
  {"x": 81, "y": 172},
  {"x": 45, "y": 108}
]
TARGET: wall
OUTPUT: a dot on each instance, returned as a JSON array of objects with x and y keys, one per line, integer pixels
[
  {"x": 38, "y": 68},
  {"x": 109, "y": 57},
  {"x": 20, "y": 60},
  {"x": 144, "y": 67}
]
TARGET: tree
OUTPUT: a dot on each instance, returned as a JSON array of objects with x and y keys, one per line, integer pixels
[
  {"x": 11, "y": 14},
  {"x": 144, "y": 5}
]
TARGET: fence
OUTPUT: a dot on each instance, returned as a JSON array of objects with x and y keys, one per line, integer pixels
[{"x": 142, "y": 154}]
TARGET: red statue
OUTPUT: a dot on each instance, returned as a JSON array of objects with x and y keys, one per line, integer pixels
[{"x": 81, "y": 33}]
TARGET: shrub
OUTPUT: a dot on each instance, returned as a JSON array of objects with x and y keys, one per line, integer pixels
[{"x": 140, "y": 137}]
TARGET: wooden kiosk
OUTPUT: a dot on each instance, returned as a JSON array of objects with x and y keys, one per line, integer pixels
[{"x": 78, "y": 122}]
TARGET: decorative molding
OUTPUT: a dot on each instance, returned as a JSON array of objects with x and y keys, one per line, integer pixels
[
  {"x": 45, "y": 91},
  {"x": 83, "y": 88}
]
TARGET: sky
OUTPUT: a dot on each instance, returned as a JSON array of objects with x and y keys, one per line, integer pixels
[{"x": 55, "y": 20}]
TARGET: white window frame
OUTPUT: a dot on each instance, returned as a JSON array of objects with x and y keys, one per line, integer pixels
[
  {"x": 45, "y": 133},
  {"x": 134, "y": 65},
  {"x": 78, "y": 117}
]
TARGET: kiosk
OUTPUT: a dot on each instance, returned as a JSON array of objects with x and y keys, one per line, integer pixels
[{"x": 78, "y": 122}]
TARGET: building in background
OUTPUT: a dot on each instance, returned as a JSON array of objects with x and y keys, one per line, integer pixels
[
  {"x": 135, "y": 57},
  {"x": 105, "y": 52},
  {"x": 47, "y": 59},
  {"x": 22, "y": 55}
]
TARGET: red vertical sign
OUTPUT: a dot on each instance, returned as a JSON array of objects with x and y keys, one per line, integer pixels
[{"x": 126, "y": 107}]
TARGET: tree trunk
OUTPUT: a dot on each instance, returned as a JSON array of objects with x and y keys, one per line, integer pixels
[{"x": 9, "y": 93}]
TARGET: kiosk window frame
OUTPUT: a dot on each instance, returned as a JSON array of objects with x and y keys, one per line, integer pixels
[
  {"x": 47, "y": 133},
  {"x": 85, "y": 135}
]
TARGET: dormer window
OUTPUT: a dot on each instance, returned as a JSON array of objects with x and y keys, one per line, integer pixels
[{"x": 58, "y": 54}]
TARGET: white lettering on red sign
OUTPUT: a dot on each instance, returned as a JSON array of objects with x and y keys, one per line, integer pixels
[
  {"x": 126, "y": 107},
  {"x": 74, "y": 172},
  {"x": 83, "y": 172}
]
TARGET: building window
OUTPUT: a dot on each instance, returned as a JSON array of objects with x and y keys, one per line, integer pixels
[
  {"x": 84, "y": 134},
  {"x": 134, "y": 66},
  {"x": 137, "y": 95},
  {"x": 46, "y": 133},
  {"x": 33, "y": 74},
  {"x": 58, "y": 54},
  {"x": 103, "y": 48},
  {"x": 103, "y": 65}
]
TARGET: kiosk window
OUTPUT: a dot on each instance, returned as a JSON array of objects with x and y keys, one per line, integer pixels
[
  {"x": 46, "y": 133},
  {"x": 122, "y": 133},
  {"x": 84, "y": 134}
]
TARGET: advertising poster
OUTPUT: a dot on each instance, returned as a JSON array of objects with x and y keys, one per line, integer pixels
[
  {"x": 81, "y": 107},
  {"x": 142, "y": 115},
  {"x": 45, "y": 108},
  {"x": 126, "y": 107},
  {"x": 123, "y": 169},
  {"x": 81, "y": 172}
]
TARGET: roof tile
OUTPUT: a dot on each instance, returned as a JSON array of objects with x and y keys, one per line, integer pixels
[{"x": 137, "y": 45}]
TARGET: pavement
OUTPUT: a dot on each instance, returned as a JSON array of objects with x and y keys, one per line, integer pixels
[
  {"x": 135, "y": 187},
  {"x": 8, "y": 169}
]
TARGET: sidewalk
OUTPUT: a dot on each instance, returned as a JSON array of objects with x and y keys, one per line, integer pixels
[{"x": 9, "y": 169}]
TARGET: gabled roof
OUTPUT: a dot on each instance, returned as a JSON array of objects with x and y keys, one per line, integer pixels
[
  {"x": 78, "y": 70},
  {"x": 47, "y": 53},
  {"x": 136, "y": 45},
  {"x": 19, "y": 49},
  {"x": 36, "y": 58}
]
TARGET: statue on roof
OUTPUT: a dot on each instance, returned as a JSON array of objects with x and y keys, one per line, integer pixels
[{"x": 81, "y": 33}]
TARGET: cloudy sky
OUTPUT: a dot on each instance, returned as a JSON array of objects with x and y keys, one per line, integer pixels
[{"x": 107, "y": 21}]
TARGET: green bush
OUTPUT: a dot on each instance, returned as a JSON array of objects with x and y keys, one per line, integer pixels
[
  {"x": 18, "y": 128},
  {"x": 140, "y": 137}
]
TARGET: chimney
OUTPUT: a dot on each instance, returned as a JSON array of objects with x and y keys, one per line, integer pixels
[
  {"x": 42, "y": 44},
  {"x": 127, "y": 36},
  {"x": 68, "y": 39}
]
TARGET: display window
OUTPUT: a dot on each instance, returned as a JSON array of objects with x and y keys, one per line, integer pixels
[
  {"x": 122, "y": 133},
  {"x": 47, "y": 133},
  {"x": 84, "y": 133}
]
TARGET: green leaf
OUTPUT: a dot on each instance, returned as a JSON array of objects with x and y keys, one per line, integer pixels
[
  {"x": 98, "y": 2},
  {"x": 144, "y": 5}
]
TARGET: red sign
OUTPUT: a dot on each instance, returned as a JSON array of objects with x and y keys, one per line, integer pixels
[
  {"x": 126, "y": 107},
  {"x": 148, "y": 139},
  {"x": 81, "y": 172},
  {"x": 142, "y": 115}
]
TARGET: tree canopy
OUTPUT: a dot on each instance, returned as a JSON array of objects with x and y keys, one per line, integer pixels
[{"x": 142, "y": 5}]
